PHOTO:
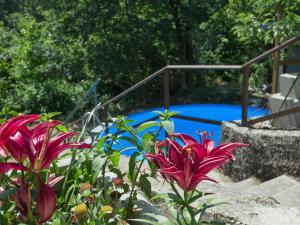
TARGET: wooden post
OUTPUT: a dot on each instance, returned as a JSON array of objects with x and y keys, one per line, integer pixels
[
  {"x": 245, "y": 95},
  {"x": 276, "y": 62},
  {"x": 276, "y": 55},
  {"x": 166, "y": 89},
  {"x": 105, "y": 113}
]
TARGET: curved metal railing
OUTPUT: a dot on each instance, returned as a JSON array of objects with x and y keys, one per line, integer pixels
[{"x": 245, "y": 70}]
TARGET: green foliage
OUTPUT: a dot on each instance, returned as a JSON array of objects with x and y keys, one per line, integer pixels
[
  {"x": 263, "y": 20},
  {"x": 52, "y": 51}
]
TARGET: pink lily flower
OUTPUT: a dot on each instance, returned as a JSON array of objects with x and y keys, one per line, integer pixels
[
  {"x": 9, "y": 128},
  {"x": 187, "y": 162},
  {"x": 40, "y": 147},
  {"x": 36, "y": 144}
]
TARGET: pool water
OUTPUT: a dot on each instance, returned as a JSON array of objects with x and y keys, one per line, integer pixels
[{"x": 220, "y": 112}]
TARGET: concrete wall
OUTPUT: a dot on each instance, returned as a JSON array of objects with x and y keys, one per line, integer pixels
[{"x": 270, "y": 153}]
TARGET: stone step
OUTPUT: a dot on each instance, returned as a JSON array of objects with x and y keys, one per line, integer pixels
[
  {"x": 254, "y": 210},
  {"x": 289, "y": 121},
  {"x": 246, "y": 184},
  {"x": 285, "y": 82},
  {"x": 250, "y": 208},
  {"x": 247, "y": 208},
  {"x": 276, "y": 185},
  {"x": 289, "y": 197}
]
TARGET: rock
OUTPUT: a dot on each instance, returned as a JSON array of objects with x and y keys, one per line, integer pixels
[{"x": 271, "y": 153}]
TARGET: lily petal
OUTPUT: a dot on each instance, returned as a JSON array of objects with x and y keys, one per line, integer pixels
[
  {"x": 46, "y": 202},
  {"x": 5, "y": 167},
  {"x": 226, "y": 148},
  {"x": 43, "y": 127},
  {"x": 197, "y": 179},
  {"x": 184, "y": 137},
  {"x": 53, "y": 180},
  {"x": 10, "y": 127},
  {"x": 3, "y": 153},
  {"x": 18, "y": 146},
  {"x": 53, "y": 154},
  {"x": 208, "y": 165}
]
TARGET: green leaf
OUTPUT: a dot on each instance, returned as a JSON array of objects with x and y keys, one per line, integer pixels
[
  {"x": 165, "y": 196},
  {"x": 115, "y": 158},
  {"x": 147, "y": 125},
  {"x": 61, "y": 128},
  {"x": 7, "y": 193},
  {"x": 154, "y": 219},
  {"x": 100, "y": 143},
  {"x": 145, "y": 221},
  {"x": 212, "y": 223},
  {"x": 132, "y": 172},
  {"x": 159, "y": 113},
  {"x": 206, "y": 205},
  {"x": 98, "y": 163},
  {"x": 198, "y": 195},
  {"x": 145, "y": 185},
  {"x": 47, "y": 116},
  {"x": 130, "y": 140},
  {"x": 168, "y": 126},
  {"x": 161, "y": 219},
  {"x": 170, "y": 114},
  {"x": 148, "y": 142}
]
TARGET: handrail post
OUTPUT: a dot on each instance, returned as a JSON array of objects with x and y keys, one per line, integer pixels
[
  {"x": 105, "y": 113},
  {"x": 245, "y": 95},
  {"x": 166, "y": 89}
]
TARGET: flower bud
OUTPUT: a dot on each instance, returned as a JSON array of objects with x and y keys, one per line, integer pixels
[
  {"x": 23, "y": 199},
  {"x": 117, "y": 181},
  {"x": 81, "y": 209},
  {"x": 85, "y": 187},
  {"x": 115, "y": 195},
  {"x": 106, "y": 209}
]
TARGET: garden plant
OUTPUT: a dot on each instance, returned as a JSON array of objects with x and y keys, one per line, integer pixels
[{"x": 49, "y": 178}]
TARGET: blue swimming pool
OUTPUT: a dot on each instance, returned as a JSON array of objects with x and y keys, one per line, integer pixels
[{"x": 220, "y": 112}]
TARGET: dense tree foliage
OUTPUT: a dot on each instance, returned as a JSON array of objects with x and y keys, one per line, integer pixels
[{"x": 52, "y": 51}]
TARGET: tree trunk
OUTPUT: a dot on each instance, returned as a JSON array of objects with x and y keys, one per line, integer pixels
[{"x": 184, "y": 42}]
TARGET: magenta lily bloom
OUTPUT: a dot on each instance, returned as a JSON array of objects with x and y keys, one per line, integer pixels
[
  {"x": 9, "y": 128},
  {"x": 182, "y": 159},
  {"x": 38, "y": 146}
]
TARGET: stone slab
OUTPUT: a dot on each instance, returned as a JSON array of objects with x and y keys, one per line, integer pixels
[
  {"x": 277, "y": 185},
  {"x": 277, "y": 103},
  {"x": 290, "y": 196},
  {"x": 285, "y": 82},
  {"x": 247, "y": 184}
]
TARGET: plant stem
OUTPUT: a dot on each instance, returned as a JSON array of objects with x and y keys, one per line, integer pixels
[
  {"x": 175, "y": 190},
  {"x": 23, "y": 177},
  {"x": 103, "y": 177},
  {"x": 189, "y": 208},
  {"x": 132, "y": 188},
  {"x": 68, "y": 172}
]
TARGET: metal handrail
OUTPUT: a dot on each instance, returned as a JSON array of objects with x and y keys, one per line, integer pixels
[
  {"x": 245, "y": 69},
  {"x": 82, "y": 102},
  {"x": 271, "y": 51},
  {"x": 164, "y": 69}
]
